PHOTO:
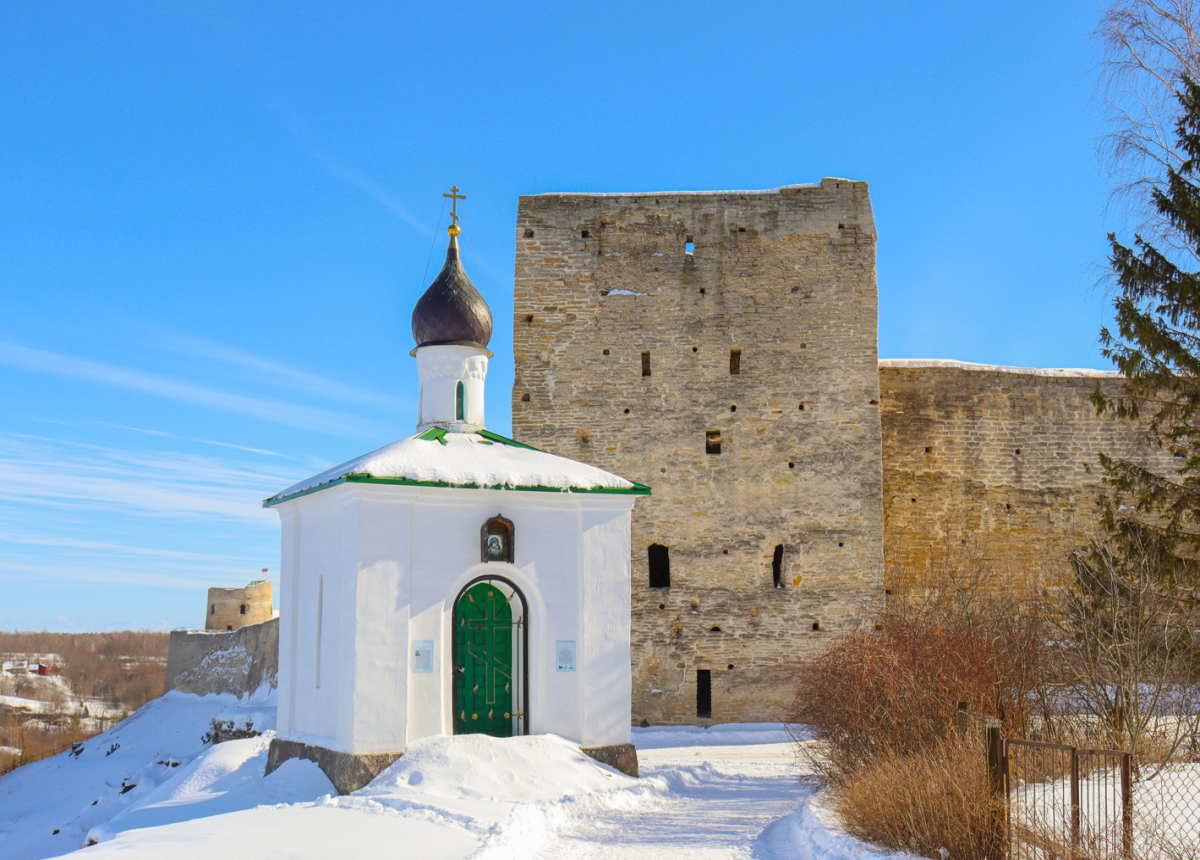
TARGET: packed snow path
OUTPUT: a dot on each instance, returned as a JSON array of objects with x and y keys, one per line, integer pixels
[
  {"x": 726, "y": 807},
  {"x": 151, "y": 788}
]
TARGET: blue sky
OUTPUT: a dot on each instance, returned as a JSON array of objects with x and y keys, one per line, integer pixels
[{"x": 215, "y": 219}]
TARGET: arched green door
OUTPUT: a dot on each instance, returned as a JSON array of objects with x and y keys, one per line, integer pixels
[{"x": 485, "y": 651}]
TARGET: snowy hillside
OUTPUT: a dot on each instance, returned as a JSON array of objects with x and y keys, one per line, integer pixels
[{"x": 150, "y": 788}]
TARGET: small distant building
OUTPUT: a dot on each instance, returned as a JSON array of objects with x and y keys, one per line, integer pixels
[{"x": 231, "y": 608}]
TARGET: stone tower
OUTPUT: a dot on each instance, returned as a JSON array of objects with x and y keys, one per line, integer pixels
[
  {"x": 231, "y": 608},
  {"x": 722, "y": 348}
]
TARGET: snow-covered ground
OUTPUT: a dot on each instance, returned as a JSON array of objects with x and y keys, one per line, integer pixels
[{"x": 149, "y": 788}]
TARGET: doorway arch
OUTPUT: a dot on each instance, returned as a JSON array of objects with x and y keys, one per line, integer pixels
[{"x": 490, "y": 658}]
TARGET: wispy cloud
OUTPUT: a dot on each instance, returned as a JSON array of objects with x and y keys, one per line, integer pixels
[
  {"x": 374, "y": 189},
  {"x": 290, "y": 414},
  {"x": 76, "y": 474},
  {"x": 164, "y": 434},
  {"x": 299, "y": 380},
  {"x": 116, "y": 549},
  {"x": 22, "y": 572}
]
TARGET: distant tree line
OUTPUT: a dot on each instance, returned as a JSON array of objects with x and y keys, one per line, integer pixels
[{"x": 124, "y": 669}]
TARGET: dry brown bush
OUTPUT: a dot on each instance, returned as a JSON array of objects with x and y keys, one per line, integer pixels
[
  {"x": 947, "y": 639},
  {"x": 920, "y": 802}
]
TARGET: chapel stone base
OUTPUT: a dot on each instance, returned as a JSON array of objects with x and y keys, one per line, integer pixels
[
  {"x": 351, "y": 771},
  {"x": 622, "y": 757},
  {"x": 347, "y": 771}
]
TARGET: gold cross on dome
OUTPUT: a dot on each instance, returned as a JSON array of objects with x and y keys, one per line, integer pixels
[{"x": 455, "y": 197}]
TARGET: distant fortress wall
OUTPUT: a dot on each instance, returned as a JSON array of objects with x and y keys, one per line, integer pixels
[
  {"x": 238, "y": 662},
  {"x": 999, "y": 461}
]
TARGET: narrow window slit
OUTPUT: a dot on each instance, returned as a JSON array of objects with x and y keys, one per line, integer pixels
[
  {"x": 645, "y": 364},
  {"x": 777, "y": 566},
  {"x": 735, "y": 362},
  {"x": 703, "y": 694},
  {"x": 659, "y": 558},
  {"x": 712, "y": 442}
]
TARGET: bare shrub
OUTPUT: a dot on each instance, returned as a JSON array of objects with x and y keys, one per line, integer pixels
[
  {"x": 1127, "y": 626},
  {"x": 935, "y": 798},
  {"x": 945, "y": 639}
]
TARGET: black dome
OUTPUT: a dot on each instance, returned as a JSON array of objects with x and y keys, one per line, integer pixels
[{"x": 452, "y": 310}]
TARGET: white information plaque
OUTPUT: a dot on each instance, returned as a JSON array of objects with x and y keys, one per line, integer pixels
[
  {"x": 565, "y": 651},
  {"x": 423, "y": 655}
]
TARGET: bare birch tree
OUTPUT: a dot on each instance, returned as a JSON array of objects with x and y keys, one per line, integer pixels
[{"x": 1147, "y": 46}]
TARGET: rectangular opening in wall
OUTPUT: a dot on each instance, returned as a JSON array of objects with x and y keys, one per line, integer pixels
[
  {"x": 659, "y": 558},
  {"x": 704, "y": 693},
  {"x": 735, "y": 362},
  {"x": 689, "y": 247},
  {"x": 645, "y": 364},
  {"x": 712, "y": 442},
  {"x": 777, "y": 566}
]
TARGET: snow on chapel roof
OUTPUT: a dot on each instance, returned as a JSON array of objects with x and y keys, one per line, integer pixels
[{"x": 483, "y": 460}]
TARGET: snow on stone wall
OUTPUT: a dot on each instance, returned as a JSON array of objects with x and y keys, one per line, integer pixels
[{"x": 236, "y": 662}]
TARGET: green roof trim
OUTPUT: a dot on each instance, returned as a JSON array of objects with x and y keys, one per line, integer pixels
[
  {"x": 434, "y": 434},
  {"x": 361, "y": 478},
  {"x": 504, "y": 440}
]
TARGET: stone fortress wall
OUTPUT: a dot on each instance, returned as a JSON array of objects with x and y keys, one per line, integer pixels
[
  {"x": 720, "y": 348},
  {"x": 652, "y": 330},
  {"x": 238, "y": 662},
  {"x": 1001, "y": 461},
  {"x": 231, "y": 608}
]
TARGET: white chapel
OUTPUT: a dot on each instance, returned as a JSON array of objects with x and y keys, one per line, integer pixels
[{"x": 455, "y": 581}]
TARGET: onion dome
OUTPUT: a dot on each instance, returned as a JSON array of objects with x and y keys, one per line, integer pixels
[{"x": 452, "y": 311}]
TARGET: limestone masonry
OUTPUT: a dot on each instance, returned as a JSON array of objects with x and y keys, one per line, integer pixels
[
  {"x": 231, "y": 608},
  {"x": 1002, "y": 460},
  {"x": 722, "y": 348}
]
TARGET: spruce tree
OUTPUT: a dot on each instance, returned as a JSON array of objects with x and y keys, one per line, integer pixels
[{"x": 1157, "y": 349}]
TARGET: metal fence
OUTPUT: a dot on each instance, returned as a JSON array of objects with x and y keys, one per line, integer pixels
[
  {"x": 1063, "y": 801},
  {"x": 1070, "y": 803}
]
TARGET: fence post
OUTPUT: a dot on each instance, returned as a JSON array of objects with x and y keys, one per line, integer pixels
[
  {"x": 1075, "y": 800},
  {"x": 996, "y": 774},
  {"x": 1127, "y": 803}
]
